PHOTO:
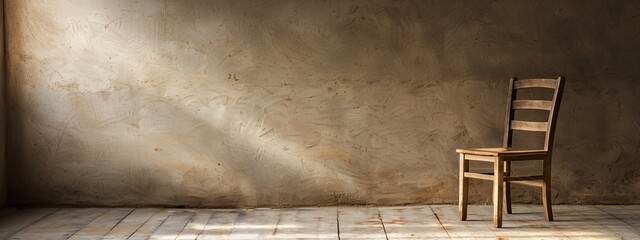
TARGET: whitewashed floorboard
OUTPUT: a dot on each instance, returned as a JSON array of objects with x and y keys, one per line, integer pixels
[
  {"x": 630, "y": 214},
  {"x": 411, "y": 223},
  {"x": 196, "y": 225},
  {"x": 307, "y": 223},
  {"x": 588, "y": 222},
  {"x": 519, "y": 224},
  {"x": 255, "y": 224},
  {"x": 220, "y": 225},
  {"x": 150, "y": 226},
  {"x": 360, "y": 223},
  {"x": 21, "y": 219},
  {"x": 97, "y": 228},
  {"x": 526, "y": 221},
  {"x": 173, "y": 225},
  {"x": 474, "y": 228},
  {"x": 61, "y": 224},
  {"x": 131, "y": 223}
]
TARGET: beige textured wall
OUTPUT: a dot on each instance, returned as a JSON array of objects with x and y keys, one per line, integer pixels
[{"x": 283, "y": 103}]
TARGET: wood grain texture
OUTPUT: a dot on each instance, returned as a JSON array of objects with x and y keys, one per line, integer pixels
[
  {"x": 532, "y": 104},
  {"x": 463, "y": 187},
  {"x": 488, "y": 154},
  {"x": 507, "y": 188},
  {"x": 498, "y": 194},
  {"x": 407, "y": 222},
  {"x": 529, "y": 126},
  {"x": 535, "y": 83}
]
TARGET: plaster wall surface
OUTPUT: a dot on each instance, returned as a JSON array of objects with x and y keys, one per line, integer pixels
[{"x": 291, "y": 103}]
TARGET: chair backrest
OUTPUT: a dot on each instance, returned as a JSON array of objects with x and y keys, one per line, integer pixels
[{"x": 549, "y": 105}]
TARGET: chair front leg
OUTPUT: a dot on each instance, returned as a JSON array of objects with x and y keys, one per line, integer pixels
[
  {"x": 463, "y": 188},
  {"x": 498, "y": 172}
]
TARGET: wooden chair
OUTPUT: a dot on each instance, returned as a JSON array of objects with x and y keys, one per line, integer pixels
[{"x": 502, "y": 157}]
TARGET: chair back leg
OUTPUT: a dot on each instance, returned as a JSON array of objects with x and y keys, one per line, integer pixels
[
  {"x": 546, "y": 199},
  {"x": 507, "y": 189},
  {"x": 463, "y": 188},
  {"x": 546, "y": 189}
]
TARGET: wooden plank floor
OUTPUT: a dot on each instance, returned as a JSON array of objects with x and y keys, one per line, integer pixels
[{"x": 410, "y": 222}]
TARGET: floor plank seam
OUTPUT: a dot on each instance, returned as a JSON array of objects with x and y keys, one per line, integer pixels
[
  {"x": 29, "y": 225},
  {"x": 275, "y": 229},
  {"x": 383, "y": 227},
  {"x": 185, "y": 225},
  {"x": 76, "y": 231},
  {"x": 118, "y": 223},
  {"x": 159, "y": 225},
  {"x": 616, "y": 217},
  {"x": 440, "y": 222},
  {"x": 145, "y": 222},
  {"x": 200, "y": 231},
  {"x": 338, "y": 221}
]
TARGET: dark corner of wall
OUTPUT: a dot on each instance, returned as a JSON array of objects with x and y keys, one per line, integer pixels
[{"x": 3, "y": 111}]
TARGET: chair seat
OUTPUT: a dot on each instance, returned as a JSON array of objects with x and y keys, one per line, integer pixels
[{"x": 502, "y": 152}]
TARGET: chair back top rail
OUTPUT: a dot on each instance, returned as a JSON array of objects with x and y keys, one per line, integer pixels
[{"x": 536, "y": 83}]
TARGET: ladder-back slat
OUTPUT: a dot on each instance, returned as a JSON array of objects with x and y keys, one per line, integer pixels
[
  {"x": 513, "y": 104},
  {"x": 529, "y": 126},
  {"x": 536, "y": 83},
  {"x": 532, "y": 104}
]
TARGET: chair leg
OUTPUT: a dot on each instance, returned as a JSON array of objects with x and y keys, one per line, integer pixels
[
  {"x": 463, "y": 189},
  {"x": 498, "y": 173},
  {"x": 546, "y": 199},
  {"x": 507, "y": 189}
]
